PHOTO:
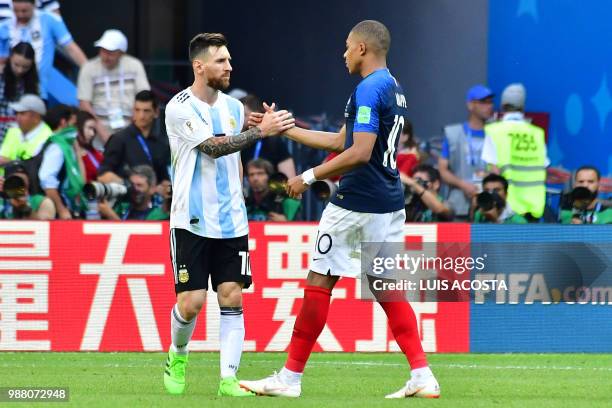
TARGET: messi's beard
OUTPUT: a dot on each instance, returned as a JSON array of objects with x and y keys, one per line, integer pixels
[{"x": 219, "y": 84}]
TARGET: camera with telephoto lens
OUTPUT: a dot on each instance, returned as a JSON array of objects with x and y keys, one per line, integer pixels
[
  {"x": 324, "y": 189},
  {"x": 487, "y": 200},
  {"x": 98, "y": 191},
  {"x": 579, "y": 199}
]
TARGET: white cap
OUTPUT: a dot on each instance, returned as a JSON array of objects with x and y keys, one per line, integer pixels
[
  {"x": 514, "y": 95},
  {"x": 112, "y": 40},
  {"x": 237, "y": 93},
  {"x": 29, "y": 103}
]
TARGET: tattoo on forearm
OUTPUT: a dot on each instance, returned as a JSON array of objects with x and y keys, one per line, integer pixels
[{"x": 224, "y": 145}]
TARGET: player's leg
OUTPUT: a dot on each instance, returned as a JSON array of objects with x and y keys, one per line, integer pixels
[
  {"x": 308, "y": 326},
  {"x": 191, "y": 282},
  {"x": 403, "y": 323},
  {"x": 230, "y": 275},
  {"x": 333, "y": 257}
]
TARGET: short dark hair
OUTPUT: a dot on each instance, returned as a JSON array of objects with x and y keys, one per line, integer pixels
[
  {"x": 433, "y": 173},
  {"x": 261, "y": 164},
  {"x": 146, "y": 171},
  {"x": 253, "y": 103},
  {"x": 54, "y": 115},
  {"x": 202, "y": 41},
  {"x": 374, "y": 33},
  {"x": 588, "y": 167},
  {"x": 495, "y": 178},
  {"x": 147, "y": 96},
  {"x": 33, "y": 2}
]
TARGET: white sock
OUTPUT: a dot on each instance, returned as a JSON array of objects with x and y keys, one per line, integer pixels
[
  {"x": 181, "y": 331},
  {"x": 290, "y": 377},
  {"x": 232, "y": 339},
  {"x": 422, "y": 373}
]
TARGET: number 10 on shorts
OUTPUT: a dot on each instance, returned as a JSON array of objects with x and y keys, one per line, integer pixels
[{"x": 245, "y": 269}]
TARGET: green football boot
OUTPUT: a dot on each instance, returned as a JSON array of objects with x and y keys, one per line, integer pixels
[
  {"x": 229, "y": 387},
  {"x": 174, "y": 373}
]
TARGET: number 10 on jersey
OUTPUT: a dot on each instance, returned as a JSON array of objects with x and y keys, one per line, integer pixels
[{"x": 389, "y": 155}]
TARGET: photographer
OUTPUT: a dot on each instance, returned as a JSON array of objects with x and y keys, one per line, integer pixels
[
  {"x": 137, "y": 202},
  {"x": 491, "y": 204},
  {"x": 61, "y": 171},
  {"x": 16, "y": 202},
  {"x": 266, "y": 200},
  {"x": 582, "y": 205},
  {"x": 424, "y": 203}
]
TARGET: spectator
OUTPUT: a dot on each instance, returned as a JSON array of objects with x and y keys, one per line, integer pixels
[
  {"x": 272, "y": 149},
  {"x": 516, "y": 150},
  {"x": 19, "y": 77},
  {"x": 460, "y": 163},
  {"x": 408, "y": 155},
  {"x": 19, "y": 203},
  {"x": 109, "y": 83},
  {"x": 262, "y": 203},
  {"x": 138, "y": 204},
  {"x": 426, "y": 205},
  {"x": 61, "y": 170},
  {"x": 27, "y": 139},
  {"x": 45, "y": 31},
  {"x": 583, "y": 206},
  {"x": 86, "y": 132},
  {"x": 137, "y": 144},
  {"x": 6, "y": 10},
  {"x": 491, "y": 203}
]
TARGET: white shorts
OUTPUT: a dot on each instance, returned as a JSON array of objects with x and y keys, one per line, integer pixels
[{"x": 338, "y": 249}]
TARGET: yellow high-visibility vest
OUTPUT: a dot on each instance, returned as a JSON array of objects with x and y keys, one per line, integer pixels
[{"x": 521, "y": 159}]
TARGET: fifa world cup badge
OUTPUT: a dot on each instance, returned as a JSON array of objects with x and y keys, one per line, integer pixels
[
  {"x": 183, "y": 275},
  {"x": 233, "y": 123}
]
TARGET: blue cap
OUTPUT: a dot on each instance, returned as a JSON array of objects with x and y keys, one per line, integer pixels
[{"x": 478, "y": 92}]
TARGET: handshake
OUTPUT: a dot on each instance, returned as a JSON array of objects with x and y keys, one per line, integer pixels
[{"x": 271, "y": 122}]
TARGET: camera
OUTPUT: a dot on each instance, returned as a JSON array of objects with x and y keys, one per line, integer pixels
[
  {"x": 98, "y": 191},
  {"x": 324, "y": 189},
  {"x": 581, "y": 197},
  {"x": 487, "y": 200},
  {"x": 15, "y": 185}
]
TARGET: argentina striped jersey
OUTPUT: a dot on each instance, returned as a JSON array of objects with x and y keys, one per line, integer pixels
[{"x": 207, "y": 197}]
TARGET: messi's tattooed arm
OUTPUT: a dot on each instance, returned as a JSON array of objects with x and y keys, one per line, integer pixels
[{"x": 223, "y": 145}]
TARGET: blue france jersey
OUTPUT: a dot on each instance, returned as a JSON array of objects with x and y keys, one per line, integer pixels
[{"x": 376, "y": 106}]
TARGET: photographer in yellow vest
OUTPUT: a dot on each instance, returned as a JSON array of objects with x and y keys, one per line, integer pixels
[{"x": 516, "y": 150}]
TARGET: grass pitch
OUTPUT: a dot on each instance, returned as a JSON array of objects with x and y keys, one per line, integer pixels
[{"x": 331, "y": 380}]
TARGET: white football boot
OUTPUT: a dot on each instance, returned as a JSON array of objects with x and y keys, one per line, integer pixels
[
  {"x": 272, "y": 386},
  {"x": 424, "y": 388}
]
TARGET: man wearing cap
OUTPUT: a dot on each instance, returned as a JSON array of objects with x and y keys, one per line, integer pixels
[
  {"x": 45, "y": 31},
  {"x": 460, "y": 163},
  {"x": 108, "y": 83},
  {"x": 516, "y": 149},
  {"x": 27, "y": 139}
]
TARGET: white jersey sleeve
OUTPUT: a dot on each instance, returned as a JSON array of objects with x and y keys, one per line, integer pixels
[{"x": 183, "y": 123}]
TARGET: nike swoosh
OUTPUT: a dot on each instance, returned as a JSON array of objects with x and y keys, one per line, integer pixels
[
  {"x": 316, "y": 259},
  {"x": 268, "y": 389}
]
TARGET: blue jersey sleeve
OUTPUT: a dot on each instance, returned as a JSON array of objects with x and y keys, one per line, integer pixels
[
  {"x": 367, "y": 106},
  {"x": 445, "y": 154},
  {"x": 5, "y": 41},
  {"x": 61, "y": 35}
]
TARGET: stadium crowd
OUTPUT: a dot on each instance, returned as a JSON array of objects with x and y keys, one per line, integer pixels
[{"x": 108, "y": 158}]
